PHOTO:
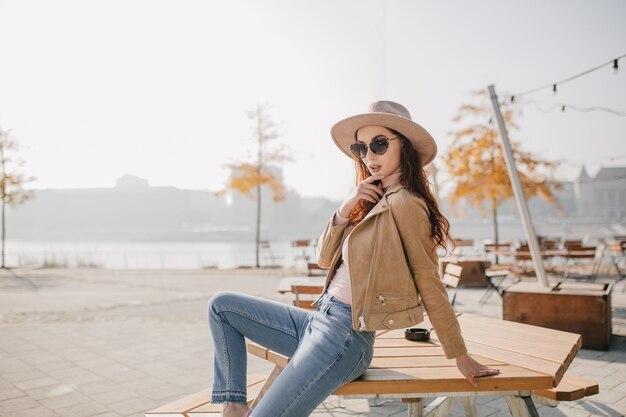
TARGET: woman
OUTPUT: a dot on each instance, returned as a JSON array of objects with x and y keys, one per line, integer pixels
[{"x": 380, "y": 249}]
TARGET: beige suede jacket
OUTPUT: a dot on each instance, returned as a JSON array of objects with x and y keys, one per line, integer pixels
[{"x": 394, "y": 271}]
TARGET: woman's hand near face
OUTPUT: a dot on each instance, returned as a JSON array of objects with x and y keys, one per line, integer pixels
[
  {"x": 366, "y": 191},
  {"x": 472, "y": 369}
]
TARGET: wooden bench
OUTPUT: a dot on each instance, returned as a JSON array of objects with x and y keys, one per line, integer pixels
[
  {"x": 571, "y": 388},
  {"x": 199, "y": 404},
  {"x": 532, "y": 360}
]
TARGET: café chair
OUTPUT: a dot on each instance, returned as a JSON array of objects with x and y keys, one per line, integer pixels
[
  {"x": 581, "y": 254},
  {"x": 495, "y": 277},
  {"x": 271, "y": 259},
  {"x": 451, "y": 278}
]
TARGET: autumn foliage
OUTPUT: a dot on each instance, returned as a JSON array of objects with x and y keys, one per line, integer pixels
[
  {"x": 475, "y": 159},
  {"x": 248, "y": 178}
]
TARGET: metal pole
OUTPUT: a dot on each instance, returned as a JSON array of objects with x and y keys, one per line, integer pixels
[{"x": 529, "y": 230}]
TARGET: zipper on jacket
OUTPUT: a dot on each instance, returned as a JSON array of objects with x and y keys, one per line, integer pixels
[
  {"x": 382, "y": 298},
  {"x": 362, "y": 325},
  {"x": 369, "y": 276},
  {"x": 362, "y": 322}
]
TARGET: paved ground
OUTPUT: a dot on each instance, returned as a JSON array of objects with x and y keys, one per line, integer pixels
[{"x": 106, "y": 343}]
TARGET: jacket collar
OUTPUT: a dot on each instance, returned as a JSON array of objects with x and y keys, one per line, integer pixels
[
  {"x": 395, "y": 187},
  {"x": 382, "y": 204}
]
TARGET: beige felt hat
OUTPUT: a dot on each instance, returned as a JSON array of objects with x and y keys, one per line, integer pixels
[{"x": 391, "y": 115}]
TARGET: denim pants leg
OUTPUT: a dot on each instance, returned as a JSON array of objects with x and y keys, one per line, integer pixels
[
  {"x": 233, "y": 316},
  {"x": 325, "y": 351}
]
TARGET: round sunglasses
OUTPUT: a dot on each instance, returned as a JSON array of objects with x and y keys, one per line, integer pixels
[{"x": 378, "y": 145}]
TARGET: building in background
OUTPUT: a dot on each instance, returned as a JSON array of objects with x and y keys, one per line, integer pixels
[{"x": 602, "y": 196}]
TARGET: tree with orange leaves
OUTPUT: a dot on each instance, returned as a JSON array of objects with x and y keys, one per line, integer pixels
[
  {"x": 249, "y": 177},
  {"x": 476, "y": 162}
]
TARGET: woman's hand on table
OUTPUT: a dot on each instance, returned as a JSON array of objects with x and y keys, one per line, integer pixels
[{"x": 472, "y": 369}]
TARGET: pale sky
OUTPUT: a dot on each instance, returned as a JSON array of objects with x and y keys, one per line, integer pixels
[{"x": 93, "y": 90}]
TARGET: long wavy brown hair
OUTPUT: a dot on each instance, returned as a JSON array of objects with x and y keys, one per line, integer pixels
[{"x": 415, "y": 180}]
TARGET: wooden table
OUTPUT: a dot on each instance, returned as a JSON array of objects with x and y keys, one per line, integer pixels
[{"x": 529, "y": 358}]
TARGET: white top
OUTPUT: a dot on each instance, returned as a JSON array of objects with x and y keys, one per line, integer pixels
[{"x": 340, "y": 284}]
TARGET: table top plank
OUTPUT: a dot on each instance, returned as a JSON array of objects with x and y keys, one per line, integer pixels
[
  {"x": 554, "y": 350},
  {"x": 408, "y": 352},
  {"x": 554, "y": 368},
  {"x": 398, "y": 342},
  {"x": 393, "y": 338},
  {"x": 502, "y": 340},
  {"x": 425, "y": 362},
  {"x": 529, "y": 343},
  {"x": 521, "y": 327},
  {"x": 442, "y": 379}
]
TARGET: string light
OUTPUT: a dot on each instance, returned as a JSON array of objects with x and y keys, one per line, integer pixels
[
  {"x": 563, "y": 106},
  {"x": 553, "y": 85}
]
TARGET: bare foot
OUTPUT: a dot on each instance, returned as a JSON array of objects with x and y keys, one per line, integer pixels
[{"x": 234, "y": 410}]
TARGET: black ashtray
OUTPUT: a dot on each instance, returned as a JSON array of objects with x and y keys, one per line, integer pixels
[{"x": 417, "y": 334}]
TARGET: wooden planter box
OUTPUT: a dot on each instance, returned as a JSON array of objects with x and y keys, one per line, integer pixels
[{"x": 577, "y": 307}]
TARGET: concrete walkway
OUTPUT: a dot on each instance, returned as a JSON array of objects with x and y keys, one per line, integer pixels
[{"x": 107, "y": 343}]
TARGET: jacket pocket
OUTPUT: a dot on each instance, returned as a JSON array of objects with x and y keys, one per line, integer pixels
[
  {"x": 386, "y": 302},
  {"x": 384, "y": 298},
  {"x": 404, "y": 318}
]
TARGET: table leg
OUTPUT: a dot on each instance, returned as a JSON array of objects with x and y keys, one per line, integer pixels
[
  {"x": 470, "y": 407},
  {"x": 521, "y": 406},
  {"x": 442, "y": 406},
  {"x": 416, "y": 406}
]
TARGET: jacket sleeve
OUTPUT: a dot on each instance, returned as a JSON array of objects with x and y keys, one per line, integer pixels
[
  {"x": 329, "y": 242},
  {"x": 414, "y": 228}
]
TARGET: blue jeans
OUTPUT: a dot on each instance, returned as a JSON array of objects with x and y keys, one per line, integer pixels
[{"x": 325, "y": 351}]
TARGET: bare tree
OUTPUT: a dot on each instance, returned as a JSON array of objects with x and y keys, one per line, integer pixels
[
  {"x": 11, "y": 181},
  {"x": 249, "y": 177}
]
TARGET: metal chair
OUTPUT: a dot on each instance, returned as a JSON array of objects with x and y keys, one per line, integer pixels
[
  {"x": 580, "y": 253},
  {"x": 494, "y": 248},
  {"x": 495, "y": 277},
  {"x": 270, "y": 258}
]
